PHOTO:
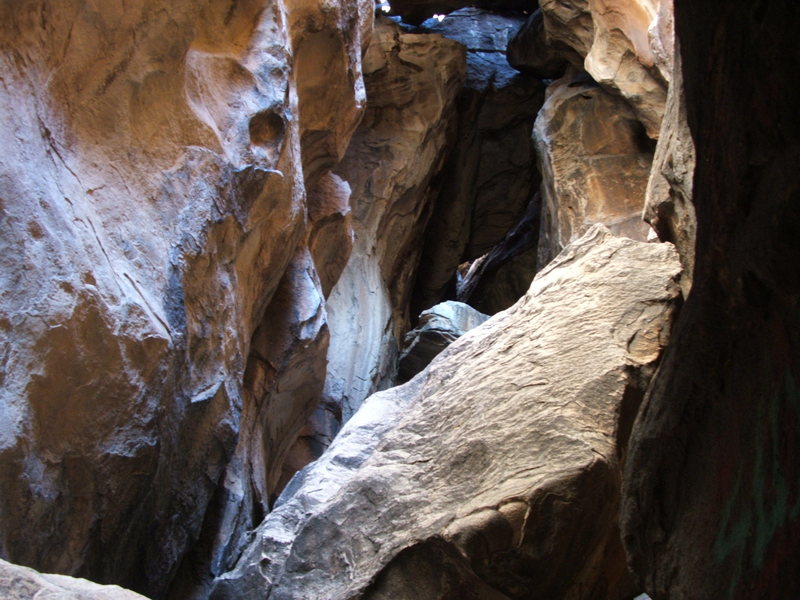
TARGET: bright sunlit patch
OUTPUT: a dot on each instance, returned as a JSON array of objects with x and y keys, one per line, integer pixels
[
  {"x": 385, "y": 7},
  {"x": 439, "y": 18}
]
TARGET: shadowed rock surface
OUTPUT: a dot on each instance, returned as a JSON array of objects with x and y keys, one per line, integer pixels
[
  {"x": 475, "y": 478},
  {"x": 712, "y": 492}
]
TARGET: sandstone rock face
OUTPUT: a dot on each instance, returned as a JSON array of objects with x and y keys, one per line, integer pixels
[
  {"x": 668, "y": 203},
  {"x": 152, "y": 195},
  {"x": 500, "y": 277},
  {"x": 412, "y": 81},
  {"x": 476, "y": 478},
  {"x": 622, "y": 44},
  {"x": 712, "y": 496},
  {"x": 437, "y": 328},
  {"x": 595, "y": 161},
  {"x": 22, "y": 583},
  {"x": 491, "y": 173}
]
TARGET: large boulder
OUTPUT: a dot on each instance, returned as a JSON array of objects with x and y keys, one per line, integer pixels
[
  {"x": 595, "y": 161},
  {"x": 495, "y": 473},
  {"x": 437, "y": 328},
  {"x": 412, "y": 81},
  {"x": 22, "y": 583},
  {"x": 712, "y": 482},
  {"x": 153, "y": 194}
]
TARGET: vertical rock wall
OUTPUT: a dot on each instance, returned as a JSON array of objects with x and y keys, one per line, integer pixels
[
  {"x": 712, "y": 495},
  {"x": 152, "y": 194}
]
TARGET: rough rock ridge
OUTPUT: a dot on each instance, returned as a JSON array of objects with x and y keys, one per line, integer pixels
[{"x": 475, "y": 478}]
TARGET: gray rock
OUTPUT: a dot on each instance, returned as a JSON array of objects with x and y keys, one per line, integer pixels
[
  {"x": 437, "y": 328},
  {"x": 476, "y": 478},
  {"x": 22, "y": 583}
]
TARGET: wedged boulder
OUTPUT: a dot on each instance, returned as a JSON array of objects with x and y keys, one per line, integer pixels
[
  {"x": 712, "y": 483},
  {"x": 595, "y": 161},
  {"x": 152, "y": 197},
  {"x": 668, "y": 200},
  {"x": 491, "y": 173},
  {"x": 500, "y": 277},
  {"x": 22, "y": 583},
  {"x": 417, "y": 11},
  {"x": 412, "y": 81},
  {"x": 437, "y": 328},
  {"x": 622, "y": 44},
  {"x": 494, "y": 473}
]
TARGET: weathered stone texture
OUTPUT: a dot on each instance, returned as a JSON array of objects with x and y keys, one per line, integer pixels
[
  {"x": 22, "y": 583},
  {"x": 622, "y": 44},
  {"x": 712, "y": 494},
  {"x": 152, "y": 196},
  {"x": 412, "y": 81},
  {"x": 477, "y": 477},
  {"x": 595, "y": 162}
]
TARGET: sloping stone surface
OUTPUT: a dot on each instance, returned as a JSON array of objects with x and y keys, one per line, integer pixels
[
  {"x": 712, "y": 495},
  {"x": 438, "y": 327},
  {"x": 151, "y": 196},
  {"x": 491, "y": 173},
  {"x": 22, "y": 583},
  {"x": 477, "y": 478},
  {"x": 595, "y": 162},
  {"x": 412, "y": 81}
]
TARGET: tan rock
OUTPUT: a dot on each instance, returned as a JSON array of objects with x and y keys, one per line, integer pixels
[
  {"x": 152, "y": 198},
  {"x": 595, "y": 162},
  {"x": 479, "y": 476},
  {"x": 614, "y": 41},
  {"x": 412, "y": 81},
  {"x": 22, "y": 583}
]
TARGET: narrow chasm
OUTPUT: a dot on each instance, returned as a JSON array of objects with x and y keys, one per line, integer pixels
[{"x": 428, "y": 300}]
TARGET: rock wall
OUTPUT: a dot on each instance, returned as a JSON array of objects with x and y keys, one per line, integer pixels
[
  {"x": 712, "y": 496},
  {"x": 152, "y": 196},
  {"x": 412, "y": 81}
]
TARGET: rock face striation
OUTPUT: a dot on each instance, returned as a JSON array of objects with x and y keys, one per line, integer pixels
[
  {"x": 152, "y": 193},
  {"x": 475, "y": 478}
]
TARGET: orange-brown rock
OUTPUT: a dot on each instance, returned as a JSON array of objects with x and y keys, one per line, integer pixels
[
  {"x": 152, "y": 194},
  {"x": 623, "y": 44},
  {"x": 595, "y": 161}
]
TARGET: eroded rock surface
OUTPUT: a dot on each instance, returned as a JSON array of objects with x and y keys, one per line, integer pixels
[
  {"x": 595, "y": 162},
  {"x": 412, "y": 81},
  {"x": 152, "y": 194},
  {"x": 437, "y": 328},
  {"x": 477, "y": 477},
  {"x": 22, "y": 583},
  {"x": 623, "y": 44}
]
